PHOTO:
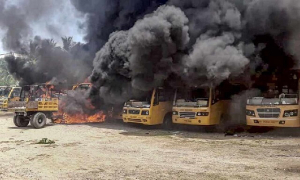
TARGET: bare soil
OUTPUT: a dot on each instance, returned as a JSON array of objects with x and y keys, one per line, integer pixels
[{"x": 113, "y": 150}]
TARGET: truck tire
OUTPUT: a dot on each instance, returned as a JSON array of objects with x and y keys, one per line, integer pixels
[
  {"x": 20, "y": 121},
  {"x": 168, "y": 124},
  {"x": 38, "y": 120}
]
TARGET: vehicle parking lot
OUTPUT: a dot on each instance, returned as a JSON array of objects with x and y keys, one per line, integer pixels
[{"x": 113, "y": 150}]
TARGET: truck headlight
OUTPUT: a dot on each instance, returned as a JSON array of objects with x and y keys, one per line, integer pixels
[
  {"x": 145, "y": 112},
  {"x": 289, "y": 113},
  {"x": 124, "y": 111},
  {"x": 202, "y": 113},
  {"x": 175, "y": 113},
  {"x": 250, "y": 113}
]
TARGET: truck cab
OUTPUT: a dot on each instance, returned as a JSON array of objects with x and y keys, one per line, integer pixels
[
  {"x": 278, "y": 103},
  {"x": 154, "y": 108},
  {"x": 199, "y": 106},
  {"x": 8, "y": 94}
]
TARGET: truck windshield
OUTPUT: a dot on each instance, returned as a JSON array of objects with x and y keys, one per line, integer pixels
[
  {"x": 143, "y": 102},
  {"x": 284, "y": 99},
  {"x": 192, "y": 98},
  {"x": 15, "y": 93},
  {"x": 4, "y": 92}
]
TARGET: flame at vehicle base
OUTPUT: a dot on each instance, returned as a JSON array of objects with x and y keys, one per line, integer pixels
[{"x": 64, "y": 118}]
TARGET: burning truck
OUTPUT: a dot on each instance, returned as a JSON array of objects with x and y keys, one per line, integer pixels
[
  {"x": 76, "y": 108},
  {"x": 36, "y": 104}
]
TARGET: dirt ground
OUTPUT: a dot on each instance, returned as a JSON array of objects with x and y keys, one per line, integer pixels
[{"x": 114, "y": 150}]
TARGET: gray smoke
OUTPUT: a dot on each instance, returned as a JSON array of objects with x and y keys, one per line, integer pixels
[
  {"x": 237, "y": 106},
  {"x": 42, "y": 58},
  {"x": 214, "y": 59},
  {"x": 16, "y": 18},
  {"x": 137, "y": 60},
  {"x": 76, "y": 102}
]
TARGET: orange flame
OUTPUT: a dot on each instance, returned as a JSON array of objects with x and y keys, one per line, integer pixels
[
  {"x": 65, "y": 118},
  {"x": 81, "y": 118}
]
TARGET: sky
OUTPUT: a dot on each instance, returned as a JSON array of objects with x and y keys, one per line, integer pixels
[{"x": 64, "y": 21}]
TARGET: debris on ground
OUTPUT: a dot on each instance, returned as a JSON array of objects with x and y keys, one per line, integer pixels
[{"x": 46, "y": 141}]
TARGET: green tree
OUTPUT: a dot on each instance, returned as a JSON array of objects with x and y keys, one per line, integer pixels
[{"x": 6, "y": 78}]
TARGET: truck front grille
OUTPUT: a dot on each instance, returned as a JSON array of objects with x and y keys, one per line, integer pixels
[
  {"x": 187, "y": 114},
  {"x": 134, "y": 120},
  {"x": 268, "y": 112},
  {"x": 134, "y": 111}
]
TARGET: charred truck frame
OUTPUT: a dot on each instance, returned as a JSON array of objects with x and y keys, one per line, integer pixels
[{"x": 37, "y": 103}]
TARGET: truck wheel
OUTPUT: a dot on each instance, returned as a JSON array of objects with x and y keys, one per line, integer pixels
[
  {"x": 38, "y": 120},
  {"x": 168, "y": 124},
  {"x": 20, "y": 121}
]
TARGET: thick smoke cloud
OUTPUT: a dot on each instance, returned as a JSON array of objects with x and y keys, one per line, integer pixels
[
  {"x": 45, "y": 62},
  {"x": 138, "y": 45},
  {"x": 137, "y": 60},
  {"x": 220, "y": 40},
  {"x": 76, "y": 102},
  {"x": 214, "y": 59},
  {"x": 107, "y": 16},
  {"x": 42, "y": 60},
  {"x": 17, "y": 18}
]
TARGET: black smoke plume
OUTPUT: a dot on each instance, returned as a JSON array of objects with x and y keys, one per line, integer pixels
[
  {"x": 138, "y": 45},
  {"x": 45, "y": 62},
  {"x": 42, "y": 59},
  {"x": 198, "y": 43},
  {"x": 107, "y": 16},
  {"x": 140, "y": 59}
]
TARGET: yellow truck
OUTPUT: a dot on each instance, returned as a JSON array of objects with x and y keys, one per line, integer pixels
[
  {"x": 82, "y": 86},
  {"x": 278, "y": 104},
  {"x": 37, "y": 103},
  {"x": 8, "y": 94},
  {"x": 204, "y": 106},
  {"x": 153, "y": 109}
]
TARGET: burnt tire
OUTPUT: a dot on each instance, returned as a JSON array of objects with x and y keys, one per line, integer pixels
[
  {"x": 20, "y": 121},
  {"x": 168, "y": 124},
  {"x": 38, "y": 120}
]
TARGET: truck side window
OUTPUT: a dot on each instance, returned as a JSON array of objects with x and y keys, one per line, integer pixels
[
  {"x": 215, "y": 96},
  {"x": 15, "y": 93},
  {"x": 161, "y": 95},
  {"x": 156, "y": 102}
]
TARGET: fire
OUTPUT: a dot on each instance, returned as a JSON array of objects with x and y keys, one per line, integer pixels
[
  {"x": 81, "y": 118},
  {"x": 62, "y": 117}
]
